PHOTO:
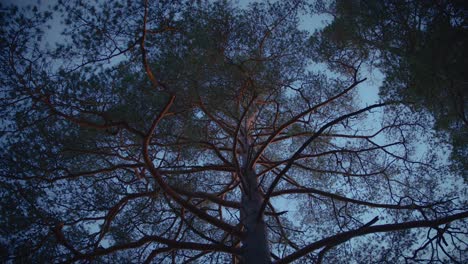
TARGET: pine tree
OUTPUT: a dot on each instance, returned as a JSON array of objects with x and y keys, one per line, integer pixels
[{"x": 182, "y": 131}]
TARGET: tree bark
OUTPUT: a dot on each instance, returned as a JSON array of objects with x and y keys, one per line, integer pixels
[{"x": 255, "y": 248}]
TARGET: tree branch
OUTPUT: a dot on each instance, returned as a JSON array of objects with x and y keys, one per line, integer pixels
[{"x": 368, "y": 229}]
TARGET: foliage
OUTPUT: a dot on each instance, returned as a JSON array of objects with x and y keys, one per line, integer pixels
[
  {"x": 420, "y": 48},
  {"x": 179, "y": 131}
]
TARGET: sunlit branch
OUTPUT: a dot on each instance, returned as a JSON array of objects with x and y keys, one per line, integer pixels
[
  {"x": 146, "y": 66},
  {"x": 297, "y": 117},
  {"x": 173, "y": 244},
  {"x": 350, "y": 200},
  {"x": 274, "y": 164},
  {"x": 211, "y": 197},
  {"x": 167, "y": 189},
  {"x": 305, "y": 144}
]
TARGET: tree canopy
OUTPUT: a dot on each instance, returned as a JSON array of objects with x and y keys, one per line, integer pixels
[
  {"x": 206, "y": 132},
  {"x": 418, "y": 45}
]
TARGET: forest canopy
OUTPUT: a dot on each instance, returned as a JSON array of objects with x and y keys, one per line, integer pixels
[{"x": 177, "y": 131}]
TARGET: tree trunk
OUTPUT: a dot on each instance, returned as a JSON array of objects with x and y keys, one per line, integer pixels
[{"x": 255, "y": 248}]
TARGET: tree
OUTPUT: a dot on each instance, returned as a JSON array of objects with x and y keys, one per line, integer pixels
[
  {"x": 178, "y": 131},
  {"x": 420, "y": 46}
]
